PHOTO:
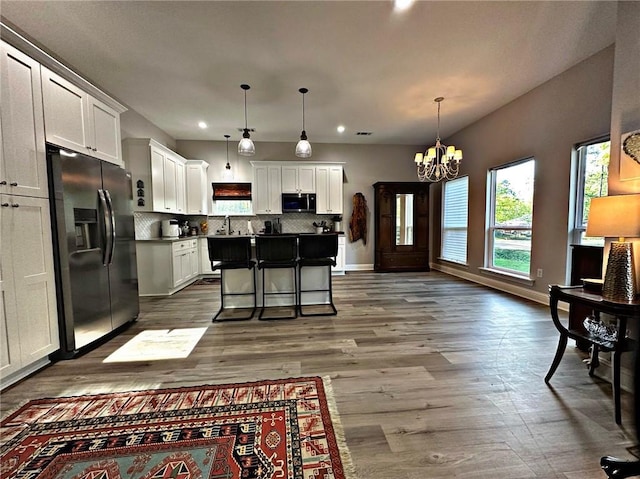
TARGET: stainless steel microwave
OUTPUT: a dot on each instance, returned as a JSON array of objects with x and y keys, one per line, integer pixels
[{"x": 298, "y": 202}]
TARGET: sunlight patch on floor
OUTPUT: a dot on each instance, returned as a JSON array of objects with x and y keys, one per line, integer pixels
[{"x": 158, "y": 344}]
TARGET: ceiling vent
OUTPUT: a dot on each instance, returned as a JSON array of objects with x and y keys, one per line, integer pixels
[{"x": 364, "y": 133}]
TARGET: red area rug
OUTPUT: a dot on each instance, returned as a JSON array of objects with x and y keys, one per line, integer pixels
[{"x": 269, "y": 429}]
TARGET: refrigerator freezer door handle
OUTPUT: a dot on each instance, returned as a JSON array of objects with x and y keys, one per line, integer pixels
[
  {"x": 108, "y": 236},
  {"x": 113, "y": 225}
]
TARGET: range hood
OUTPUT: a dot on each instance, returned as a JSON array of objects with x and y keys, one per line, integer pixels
[{"x": 231, "y": 191}]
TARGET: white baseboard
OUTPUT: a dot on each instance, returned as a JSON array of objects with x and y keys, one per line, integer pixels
[
  {"x": 492, "y": 283},
  {"x": 358, "y": 267}
]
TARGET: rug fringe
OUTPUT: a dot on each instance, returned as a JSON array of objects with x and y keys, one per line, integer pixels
[{"x": 345, "y": 455}]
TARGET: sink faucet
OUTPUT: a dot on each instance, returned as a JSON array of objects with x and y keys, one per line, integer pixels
[{"x": 227, "y": 222}]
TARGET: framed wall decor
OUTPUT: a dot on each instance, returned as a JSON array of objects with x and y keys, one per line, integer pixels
[{"x": 630, "y": 156}]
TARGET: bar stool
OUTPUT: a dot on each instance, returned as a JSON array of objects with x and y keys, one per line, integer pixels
[
  {"x": 228, "y": 253},
  {"x": 277, "y": 252},
  {"x": 317, "y": 250}
]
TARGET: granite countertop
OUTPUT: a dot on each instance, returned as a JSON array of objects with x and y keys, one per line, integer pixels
[{"x": 186, "y": 238}]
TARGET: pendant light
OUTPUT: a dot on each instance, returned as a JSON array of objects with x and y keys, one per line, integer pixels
[
  {"x": 303, "y": 148},
  {"x": 227, "y": 174},
  {"x": 246, "y": 146},
  {"x": 227, "y": 166}
]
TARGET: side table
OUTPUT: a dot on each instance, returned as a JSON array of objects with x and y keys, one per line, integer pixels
[{"x": 622, "y": 311}]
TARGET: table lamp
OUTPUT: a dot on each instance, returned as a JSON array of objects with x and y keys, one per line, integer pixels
[{"x": 617, "y": 216}]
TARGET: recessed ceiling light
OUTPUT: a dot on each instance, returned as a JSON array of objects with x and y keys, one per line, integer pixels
[
  {"x": 202, "y": 124},
  {"x": 341, "y": 129}
]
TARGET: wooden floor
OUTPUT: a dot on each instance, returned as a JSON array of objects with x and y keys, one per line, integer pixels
[{"x": 434, "y": 377}]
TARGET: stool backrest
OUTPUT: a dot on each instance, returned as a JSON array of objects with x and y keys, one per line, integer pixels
[
  {"x": 277, "y": 248},
  {"x": 313, "y": 246},
  {"x": 229, "y": 249}
]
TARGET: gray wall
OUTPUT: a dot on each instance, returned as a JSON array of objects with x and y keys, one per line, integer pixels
[
  {"x": 134, "y": 125},
  {"x": 545, "y": 124},
  {"x": 363, "y": 166},
  {"x": 625, "y": 111}
]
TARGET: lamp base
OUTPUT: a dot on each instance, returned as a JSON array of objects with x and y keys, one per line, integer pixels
[{"x": 619, "y": 280}]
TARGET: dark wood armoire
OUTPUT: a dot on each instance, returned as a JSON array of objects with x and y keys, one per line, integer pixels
[{"x": 401, "y": 226}]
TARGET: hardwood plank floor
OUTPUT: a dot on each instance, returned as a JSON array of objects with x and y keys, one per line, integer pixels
[{"x": 434, "y": 377}]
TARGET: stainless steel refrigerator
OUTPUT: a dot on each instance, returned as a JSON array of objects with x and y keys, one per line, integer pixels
[{"x": 94, "y": 249}]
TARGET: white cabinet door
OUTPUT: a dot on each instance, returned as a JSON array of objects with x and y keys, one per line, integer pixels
[
  {"x": 104, "y": 130},
  {"x": 197, "y": 199},
  {"x": 65, "y": 113},
  {"x": 23, "y": 168},
  {"x": 307, "y": 179},
  {"x": 298, "y": 179},
  {"x": 157, "y": 180},
  {"x": 170, "y": 171},
  {"x": 340, "y": 258},
  {"x": 29, "y": 296},
  {"x": 267, "y": 189},
  {"x": 329, "y": 189},
  {"x": 74, "y": 119},
  {"x": 181, "y": 197},
  {"x": 193, "y": 258}
]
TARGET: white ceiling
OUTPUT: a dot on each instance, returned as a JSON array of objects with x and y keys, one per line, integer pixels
[{"x": 366, "y": 66}]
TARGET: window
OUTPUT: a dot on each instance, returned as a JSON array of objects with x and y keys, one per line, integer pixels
[
  {"x": 232, "y": 207},
  {"x": 455, "y": 211},
  {"x": 592, "y": 175},
  {"x": 510, "y": 217}
]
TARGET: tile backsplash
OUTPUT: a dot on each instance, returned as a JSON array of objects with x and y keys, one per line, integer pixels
[{"x": 147, "y": 225}]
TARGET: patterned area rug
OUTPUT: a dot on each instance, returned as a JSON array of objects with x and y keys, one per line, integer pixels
[{"x": 269, "y": 429}]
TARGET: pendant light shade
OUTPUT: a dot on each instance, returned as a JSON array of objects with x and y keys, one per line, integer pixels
[
  {"x": 246, "y": 146},
  {"x": 303, "y": 148}
]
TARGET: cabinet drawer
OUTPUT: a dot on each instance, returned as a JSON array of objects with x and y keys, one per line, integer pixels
[{"x": 181, "y": 246}]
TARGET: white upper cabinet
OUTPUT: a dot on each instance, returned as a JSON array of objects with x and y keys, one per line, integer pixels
[
  {"x": 158, "y": 176},
  {"x": 298, "y": 179},
  {"x": 197, "y": 200},
  {"x": 267, "y": 189},
  {"x": 76, "y": 120},
  {"x": 23, "y": 168},
  {"x": 329, "y": 189}
]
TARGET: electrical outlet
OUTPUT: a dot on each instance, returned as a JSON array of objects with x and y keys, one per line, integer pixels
[{"x": 539, "y": 273}]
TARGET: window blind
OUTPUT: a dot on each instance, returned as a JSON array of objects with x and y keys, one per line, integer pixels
[{"x": 455, "y": 209}]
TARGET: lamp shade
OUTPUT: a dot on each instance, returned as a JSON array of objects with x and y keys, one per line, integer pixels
[{"x": 614, "y": 216}]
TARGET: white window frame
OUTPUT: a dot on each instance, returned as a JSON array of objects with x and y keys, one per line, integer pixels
[
  {"x": 491, "y": 224},
  {"x": 579, "y": 226},
  {"x": 461, "y": 183}
]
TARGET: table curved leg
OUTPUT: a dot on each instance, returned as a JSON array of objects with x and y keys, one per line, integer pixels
[
  {"x": 594, "y": 360},
  {"x": 562, "y": 345},
  {"x": 618, "y": 469},
  {"x": 616, "y": 386}
]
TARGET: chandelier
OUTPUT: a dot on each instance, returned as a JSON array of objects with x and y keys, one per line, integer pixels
[{"x": 440, "y": 161}]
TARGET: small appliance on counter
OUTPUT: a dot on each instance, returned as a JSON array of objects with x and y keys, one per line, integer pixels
[
  {"x": 184, "y": 229},
  {"x": 170, "y": 229},
  {"x": 273, "y": 227}
]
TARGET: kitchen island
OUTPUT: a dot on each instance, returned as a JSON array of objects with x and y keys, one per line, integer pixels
[{"x": 167, "y": 265}]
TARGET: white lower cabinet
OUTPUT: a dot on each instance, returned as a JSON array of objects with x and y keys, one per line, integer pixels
[
  {"x": 166, "y": 266},
  {"x": 339, "y": 268},
  {"x": 29, "y": 319},
  {"x": 205, "y": 263}
]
